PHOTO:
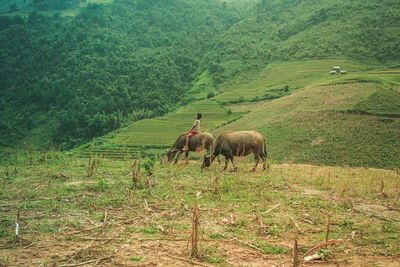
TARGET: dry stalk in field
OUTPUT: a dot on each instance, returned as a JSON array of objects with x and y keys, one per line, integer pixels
[
  {"x": 271, "y": 209},
  {"x": 92, "y": 205},
  {"x": 265, "y": 200},
  {"x": 295, "y": 254},
  {"x": 321, "y": 245},
  {"x": 103, "y": 227},
  {"x": 344, "y": 166},
  {"x": 30, "y": 159},
  {"x": 216, "y": 189},
  {"x": 329, "y": 180},
  {"x": 328, "y": 227},
  {"x": 247, "y": 244},
  {"x": 18, "y": 221},
  {"x": 311, "y": 173},
  {"x": 87, "y": 262},
  {"x": 17, "y": 225},
  {"x": 136, "y": 171},
  {"x": 91, "y": 165},
  {"x": 351, "y": 205},
  {"x": 261, "y": 227},
  {"x": 178, "y": 169},
  {"x": 296, "y": 225},
  {"x": 195, "y": 229},
  {"x": 128, "y": 195},
  {"x": 150, "y": 184},
  {"x": 384, "y": 195}
]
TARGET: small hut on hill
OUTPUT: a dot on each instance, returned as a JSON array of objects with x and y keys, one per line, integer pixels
[{"x": 336, "y": 70}]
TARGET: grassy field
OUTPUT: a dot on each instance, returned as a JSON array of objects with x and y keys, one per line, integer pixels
[
  {"x": 295, "y": 75},
  {"x": 70, "y": 213},
  {"x": 323, "y": 125}
]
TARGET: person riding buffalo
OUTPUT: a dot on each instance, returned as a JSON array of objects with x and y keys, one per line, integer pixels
[{"x": 194, "y": 130}]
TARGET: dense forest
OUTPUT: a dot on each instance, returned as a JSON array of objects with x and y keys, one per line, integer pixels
[
  {"x": 68, "y": 79},
  {"x": 79, "y": 77}
]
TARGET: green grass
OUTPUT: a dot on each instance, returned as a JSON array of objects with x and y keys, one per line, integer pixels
[
  {"x": 59, "y": 201},
  {"x": 314, "y": 126},
  {"x": 296, "y": 75},
  {"x": 382, "y": 102}
]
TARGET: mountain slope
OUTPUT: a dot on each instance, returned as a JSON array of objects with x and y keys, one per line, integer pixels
[
  {"x": 285, "y": 30},
  {"x": 71, "y": 79},
  {"x": 81, "y": 77},
  {"x": 322, "y": 125},
  {"x": 324, "y": 119}
]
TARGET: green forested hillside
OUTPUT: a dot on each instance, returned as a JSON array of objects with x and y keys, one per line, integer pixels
[
  {"x": 285, "y": 30},
  {"x": 81, "y": 76},
  {"x": 69, "y": 79}
]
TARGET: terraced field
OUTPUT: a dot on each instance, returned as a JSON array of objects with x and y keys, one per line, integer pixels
[
  {"x": 155, "y": 135},
  {"x": 295, "y": 75}
]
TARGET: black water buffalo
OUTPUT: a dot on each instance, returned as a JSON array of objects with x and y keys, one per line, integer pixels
[
  {"x": 238, "y": 144},
  {"x": 197, "y": 143}
]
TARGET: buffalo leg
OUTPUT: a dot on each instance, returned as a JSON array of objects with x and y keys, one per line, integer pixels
[
  {"x": 226, "y": 163},
  {"x": 187, "y": 157},
  {"x": 264, "y": 160},
  {"x": 256, "y": 159},
  {"x": 233, "y": 163},
  {"x": 177, "y": 156}
]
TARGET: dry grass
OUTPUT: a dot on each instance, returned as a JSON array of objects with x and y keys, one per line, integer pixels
[{"x": 243, "y": 218}]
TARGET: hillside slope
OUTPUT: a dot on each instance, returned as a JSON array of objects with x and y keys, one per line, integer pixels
[
  {"x": 289, "y": 30},
  {"x": 83, "y": 76},
  {"x": 348, "y": 119},
  {"x": 69, "y": 79},
  {"x": 155, "y": 135},
  {"x": 323, "y": 125}
]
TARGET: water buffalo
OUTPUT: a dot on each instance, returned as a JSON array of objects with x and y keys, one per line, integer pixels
[
  {"x": 238, "y": 144},
  {"x": 197, "y": 143}
]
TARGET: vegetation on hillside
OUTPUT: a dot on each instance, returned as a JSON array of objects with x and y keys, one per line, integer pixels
[
  {"x": 287, "y": 30},
  {"x": 319, "y": 118},
  {"x": 81, "y": 76},
  {"x": 69, "y": 79},
  {"x": 338, "y": 124}
]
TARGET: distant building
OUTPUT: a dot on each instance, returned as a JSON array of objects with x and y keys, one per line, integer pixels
[{"x": 336, "y": 70}]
